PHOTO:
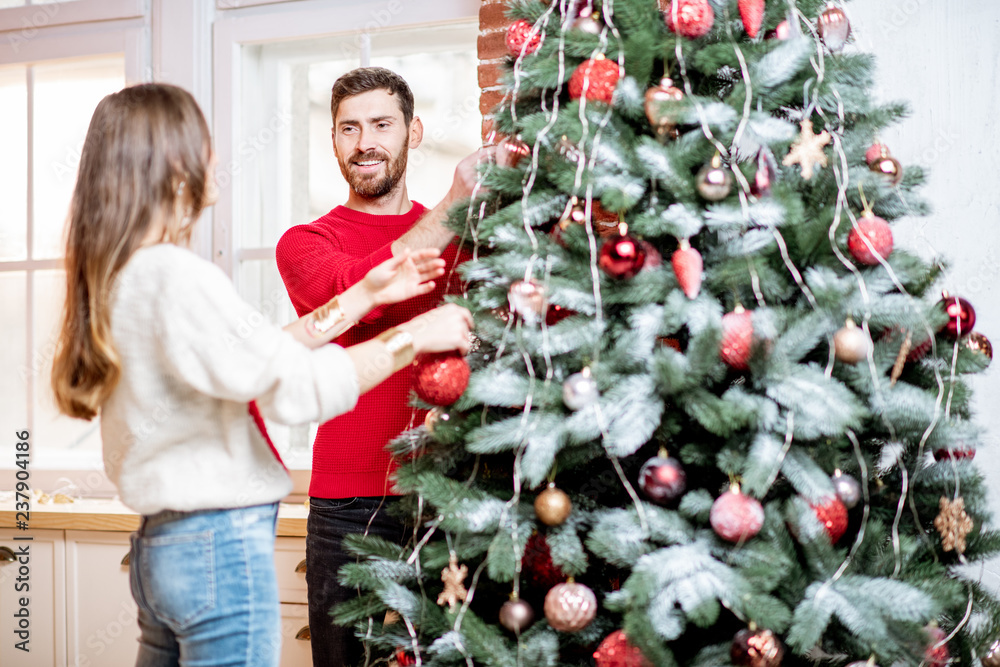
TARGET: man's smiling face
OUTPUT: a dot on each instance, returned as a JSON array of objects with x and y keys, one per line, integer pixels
[{"x": 371, "y": 142}]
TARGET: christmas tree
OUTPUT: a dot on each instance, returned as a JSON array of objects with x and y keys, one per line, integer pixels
[{"x": 714, "y": 417}]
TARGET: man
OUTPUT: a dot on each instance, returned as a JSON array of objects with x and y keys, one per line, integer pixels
[{"x": 350, "y": 489}]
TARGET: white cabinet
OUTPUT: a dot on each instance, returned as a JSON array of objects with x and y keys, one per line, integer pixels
[
  {"x": 40, "y": 582},
  {"x": 101, "y": 617},
  {"x": 290, "y": 565}
]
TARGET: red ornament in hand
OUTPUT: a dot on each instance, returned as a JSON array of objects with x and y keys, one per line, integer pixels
[
  {"x": 621, "y": 256},
  {"x": 617, "y": 651},
  {"x": 879, "y": 235},
  {"x": 690, "y": 18},
  {"x": 595, "y": 79},
  {"x": 752, "y": 13},
  {"x": 961, "y": 316},
  {"x": 522, "y": 36},
  {"x": 688, "y": 267},
  {"x": 737, "y": 337},
  {"x": 736, "y": 517},
  {"x": 440, "y": 378},
  {"x": 832, "y": 513}
]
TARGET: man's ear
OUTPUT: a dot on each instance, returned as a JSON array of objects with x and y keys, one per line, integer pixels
[
  {"x": 416, "y": 132},
  {"x": 333, "y": 140}
]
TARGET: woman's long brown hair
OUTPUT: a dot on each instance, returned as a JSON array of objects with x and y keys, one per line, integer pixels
[{"x": 144, "y": 163}]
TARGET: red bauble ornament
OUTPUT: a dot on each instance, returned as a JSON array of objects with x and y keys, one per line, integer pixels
[
  {"x": 752, "y": 13},
  {"x": 934, "y": 655},
  {"x": 404, "y": 659},
  {"x": 737, "y": 337},
  {"x": 781, "y": 32},
  {"x": 621, "y": 256},
  {"x": 595, "y": 79},
  {"x": 522, "y": 37},
  {"x": 961, "y": 316},
  {"x": 877, "y": 232},
  {"x": 557, "y": 313},
  {"x": 537, "y": 563},
  {"x": 690, "y": 18},
  {"x": 570, "y": 607},
  {"x": 440, "y": 378},
  {"x": 662, "y": 479},
  {"x": 736, "y": 517},
  {"x": 617, "y": 651},
  {"x": 832, "y": 513},
  {"x": 688, "y": 268},
  {"x": 959, "y": 452}
]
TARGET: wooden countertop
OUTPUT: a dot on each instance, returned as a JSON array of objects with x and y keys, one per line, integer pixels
[{"x": 102, "y": 514}]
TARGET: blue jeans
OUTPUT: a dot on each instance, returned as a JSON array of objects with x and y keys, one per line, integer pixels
[
  {"x": 206, "y": 588},
  {"x": 328, "y": 523}
]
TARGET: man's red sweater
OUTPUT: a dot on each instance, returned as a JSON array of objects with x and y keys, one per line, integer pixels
[{"x": 318, "y": 261}]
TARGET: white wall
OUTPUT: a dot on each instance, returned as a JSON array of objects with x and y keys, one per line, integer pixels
[{"x": 943, "y": 57}]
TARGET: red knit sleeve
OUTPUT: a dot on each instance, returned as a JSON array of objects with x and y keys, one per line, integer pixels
[{"x": 314, "y": 268}]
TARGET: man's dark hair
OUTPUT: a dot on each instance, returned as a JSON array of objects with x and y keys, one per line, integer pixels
[{"x": 364, "y": 79}]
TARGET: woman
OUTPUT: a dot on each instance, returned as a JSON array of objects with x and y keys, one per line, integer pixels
[{"x": 157, "y": 341}]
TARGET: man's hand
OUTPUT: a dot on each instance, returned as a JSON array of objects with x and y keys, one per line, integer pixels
[{"x": 403, "y": 277}]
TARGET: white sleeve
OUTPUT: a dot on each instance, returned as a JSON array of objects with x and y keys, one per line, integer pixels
[{"x": 218, "y": 344}]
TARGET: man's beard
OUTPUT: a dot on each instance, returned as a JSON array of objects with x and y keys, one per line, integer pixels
[{"x": 373, "y": 186}]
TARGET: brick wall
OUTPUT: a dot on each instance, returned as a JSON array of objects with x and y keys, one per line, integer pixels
[{"x": 492, "y": 52}]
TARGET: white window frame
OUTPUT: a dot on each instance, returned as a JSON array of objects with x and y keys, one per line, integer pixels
[
  {"x": 284, "y": 20},
  {"x": 116, "y": 27}
]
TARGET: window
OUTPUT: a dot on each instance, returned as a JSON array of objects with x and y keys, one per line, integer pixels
[
  {"x": 52, "y": 75},
  {"x": 277, "y": 167}
]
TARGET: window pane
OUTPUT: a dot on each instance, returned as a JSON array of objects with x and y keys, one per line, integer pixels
[
  {"x": 13, "y": 3},
  {"x": 327, "y": 187},
  {"x": 14, "y": 166},
  {"x": 13, "y": 357},
  {"x": 446, "y": 98},
  {"x": 58, "y": 432},
  {"x": 66, "y": 94}
]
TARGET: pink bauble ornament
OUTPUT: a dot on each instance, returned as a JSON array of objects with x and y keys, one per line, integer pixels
[
  {"x": 877, "y": 232},
  {"x": 737, "y": 338},
  {"x": 736, "y": 517},
  {"x": 690, "y": 18},
  {"x": 662, "y": 479},
  {"x": 570, "y": 607}
]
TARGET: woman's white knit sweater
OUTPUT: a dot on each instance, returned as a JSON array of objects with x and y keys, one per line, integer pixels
[{"x": 176, "y": 431}]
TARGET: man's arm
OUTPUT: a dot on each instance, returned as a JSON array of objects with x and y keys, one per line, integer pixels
[
  {"x": 315, "y": 269},
  {"x": 430, "y": 231}
]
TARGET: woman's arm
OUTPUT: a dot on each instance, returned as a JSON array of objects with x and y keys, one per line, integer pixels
[{"x": 398, "y": 279}]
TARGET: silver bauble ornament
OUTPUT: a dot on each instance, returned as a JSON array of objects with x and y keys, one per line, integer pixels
[
  {"x": 851, "y": 344},
  {"x": 992, "y": 657},
  {"x": 847, "y": 489},
  {"x": 714, "y": 182},
  {"x": 516, "y": 615},
  {"x": 579, "y": 390}
]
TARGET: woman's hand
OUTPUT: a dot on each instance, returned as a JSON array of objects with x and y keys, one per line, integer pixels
[
  {"x": 441, "y": 330},
  {"x": 409, "y": 274}
]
